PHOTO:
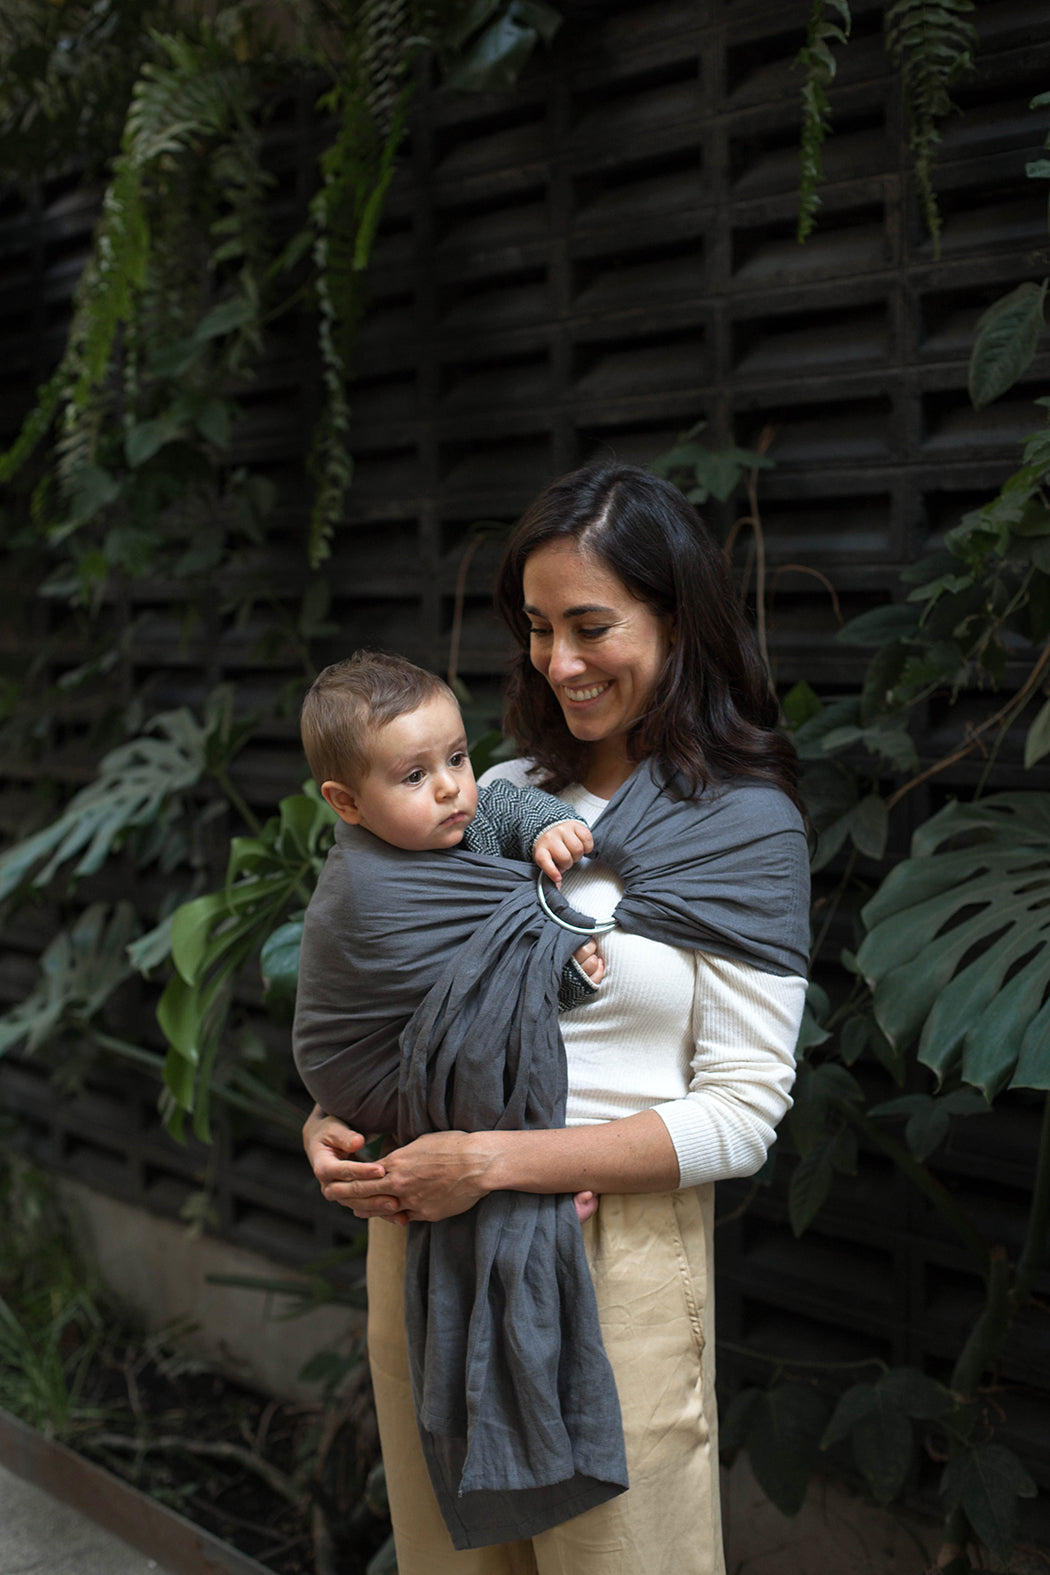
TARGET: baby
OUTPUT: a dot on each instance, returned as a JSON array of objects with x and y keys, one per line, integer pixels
[{"x": 386, "y": 744}]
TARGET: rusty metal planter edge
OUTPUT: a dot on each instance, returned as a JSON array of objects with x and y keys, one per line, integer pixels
[{"x": 145, "y": 1523}]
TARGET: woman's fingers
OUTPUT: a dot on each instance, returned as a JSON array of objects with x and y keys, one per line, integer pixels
[{"x": 591, "y": 961}]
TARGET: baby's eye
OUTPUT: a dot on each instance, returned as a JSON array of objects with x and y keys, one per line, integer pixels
[
  {"x": 458, "y": 759},
  {"x": 414, "y": 777}
]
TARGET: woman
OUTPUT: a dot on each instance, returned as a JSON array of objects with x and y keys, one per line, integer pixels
[{"x": 632, "y": 649}]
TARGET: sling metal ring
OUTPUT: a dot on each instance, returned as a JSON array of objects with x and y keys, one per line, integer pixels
[{"x": 577, "y": 929}]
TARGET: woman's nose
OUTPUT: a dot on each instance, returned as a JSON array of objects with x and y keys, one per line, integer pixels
[{"x": 566, "y": 662}]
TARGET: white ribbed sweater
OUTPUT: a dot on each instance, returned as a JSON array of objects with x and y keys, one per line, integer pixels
[{"x": 708, "y": 1044}]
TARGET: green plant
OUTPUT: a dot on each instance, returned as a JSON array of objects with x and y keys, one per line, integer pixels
[
  {"x": 172, "y": 313},
  {"x": 949, "y": 985},
  {"x": 817, "y": 60},
  {"x": 931, "y": 44},
  {"x": 51, "y": 1326}
]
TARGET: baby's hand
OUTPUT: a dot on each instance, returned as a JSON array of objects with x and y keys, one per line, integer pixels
[
  {"x": 591, "y": 961},
  {"x": 586, "y": 1205},
  {"x": 559, "y": 847}
]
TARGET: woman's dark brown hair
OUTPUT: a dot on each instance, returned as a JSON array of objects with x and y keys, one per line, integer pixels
[{"x": 712, "y": 715}]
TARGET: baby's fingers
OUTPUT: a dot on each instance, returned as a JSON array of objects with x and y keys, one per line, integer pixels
[{"x": 545, "y": 859}]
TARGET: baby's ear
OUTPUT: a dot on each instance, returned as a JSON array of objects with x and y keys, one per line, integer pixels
[{"x": 342, "y": 801}]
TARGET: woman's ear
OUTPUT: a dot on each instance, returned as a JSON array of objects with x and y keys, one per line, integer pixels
[{"x": 342, "y": 800}]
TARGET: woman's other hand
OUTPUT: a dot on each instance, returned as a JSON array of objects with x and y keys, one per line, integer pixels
[
  {"x": 591, "y": 961},
  {"x": 436, "y": 1176},
  {"x": 586, "y": 1204},
  {"x": 330, "y": 1146}
]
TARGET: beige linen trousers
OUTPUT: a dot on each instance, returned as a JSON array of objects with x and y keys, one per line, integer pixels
[{"x": 651, "y": 1261}]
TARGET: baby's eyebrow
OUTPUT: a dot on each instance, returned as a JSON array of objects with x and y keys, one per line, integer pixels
[{"x": 410, "y": 762}]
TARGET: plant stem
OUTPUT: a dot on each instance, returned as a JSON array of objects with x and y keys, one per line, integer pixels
[
  {"x": 781, "y": 1361},
  {"x": 1035, "y": 1236},
  {"x": 928, "y": 1185},
  {"x": 251, "y": 820},
  {"x": 285, "y": 1485},
  {"x": 1005, "y": 713},
  {"x": 833, "y": 907},
  {"x": 986, "y": 1337},
  {"x": 273, "y": 1108}
]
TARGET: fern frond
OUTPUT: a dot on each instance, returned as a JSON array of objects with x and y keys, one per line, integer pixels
[
  {"x": 816, "y": 59},
  {"x": 932, "y": 43},
  {"x": 356, "y": 174},
  {"x": 386, "y": 27}
]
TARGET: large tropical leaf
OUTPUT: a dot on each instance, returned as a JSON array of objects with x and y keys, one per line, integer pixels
[
  {"x": 133, "y": 783},
  {"x": 213, "y": 937},
  {"x": 78, "y": 972},
  {"x": 958, "y": 944}
]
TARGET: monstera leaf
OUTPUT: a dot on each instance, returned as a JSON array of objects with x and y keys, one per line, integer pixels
[
  {"x": 78, "y": 972},
  {"x": 958, "y": 944}
]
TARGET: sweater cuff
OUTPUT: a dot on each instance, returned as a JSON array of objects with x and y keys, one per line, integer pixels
[
  {"x": 701, "y": 1157},
  {"x": 564, "y": 821}
]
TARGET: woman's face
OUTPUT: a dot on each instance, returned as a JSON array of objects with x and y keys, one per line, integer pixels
[{"x": 599, "y": 647}]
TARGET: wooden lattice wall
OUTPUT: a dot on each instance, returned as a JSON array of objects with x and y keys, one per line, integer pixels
[{"x": 596, "y": 262}]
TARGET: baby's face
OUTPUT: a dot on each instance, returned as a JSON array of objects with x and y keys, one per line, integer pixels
[{"x": 420, "y": 790}]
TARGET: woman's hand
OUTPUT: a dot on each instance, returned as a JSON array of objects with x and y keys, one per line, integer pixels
[
  {"x": 591, "y": 961},
  {"x": 330, "y": 1146},
  {"x": 433, "y": 1178}
]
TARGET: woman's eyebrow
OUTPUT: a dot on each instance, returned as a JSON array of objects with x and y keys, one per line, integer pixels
[{"x": 572, "y": 612}]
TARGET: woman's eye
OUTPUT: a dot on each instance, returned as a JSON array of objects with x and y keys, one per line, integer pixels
[{"x": 594, "y": 633}]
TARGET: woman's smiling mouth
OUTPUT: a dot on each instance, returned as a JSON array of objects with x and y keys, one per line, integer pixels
[{"x": 590, "y": 693}]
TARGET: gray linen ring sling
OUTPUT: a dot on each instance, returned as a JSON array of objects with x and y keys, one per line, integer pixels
[{"x": 428, "y": 1002}]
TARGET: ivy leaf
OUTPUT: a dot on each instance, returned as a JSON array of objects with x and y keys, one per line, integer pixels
[
  {"x": 800, "y": 703},
  {"x": 783, "y": 1441},
  {"x": 881, "y": 625},
  {"x": 840, "y": 714},
  {"x": 147, "y": 438},
  {"x": 878, "y": 697},
  {"x": 986, "y": 1483},
  {"x": 1007, "y": 336},
  {"x": 91, "y": 489},
  {"x": 835, "y": 1151},
  {"x": 929, "y": 1117},
  {"x": 916, "y": 1393},
  {"x": 878, "y": 1416},
  {"x": 854, "y": 1037},
  {"x": 869, "y": 824}
]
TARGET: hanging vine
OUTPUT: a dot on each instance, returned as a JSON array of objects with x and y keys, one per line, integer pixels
[
  {"x": 817, "y": 60},
  {"x": 932, "y": 43}
]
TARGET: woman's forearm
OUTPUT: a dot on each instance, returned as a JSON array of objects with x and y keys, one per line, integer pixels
[
  {"x": 446, "y": 1173},
  {"x": 633, "y": 1154}
]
